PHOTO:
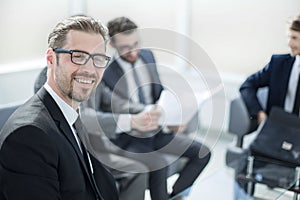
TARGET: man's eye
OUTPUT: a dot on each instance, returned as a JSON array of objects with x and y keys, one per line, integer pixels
[
  {"x": 99, "y": 58},
  {"x": 79, "y": 56}
]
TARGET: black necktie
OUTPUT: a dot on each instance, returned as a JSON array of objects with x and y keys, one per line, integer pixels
[
  {"x": 82, "y": 135},
  {"x": 297, "y": 99},
  {"x": 138, "y": 83}
]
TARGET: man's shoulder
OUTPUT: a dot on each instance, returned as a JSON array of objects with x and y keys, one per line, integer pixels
[
  {"x": 146, "y": 53},
  {"x": 281, "y": 56},
  {"x": 281, "y": 62},
  {"x": 33, "y": 112},
  {"x": 29, "y": 116}
]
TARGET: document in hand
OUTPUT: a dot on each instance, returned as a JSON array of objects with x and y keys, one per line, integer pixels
[{"x": 179, "y": 108}]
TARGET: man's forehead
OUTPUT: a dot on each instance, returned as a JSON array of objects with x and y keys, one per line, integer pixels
[
  {"x": 126, "y": 38},
  {"x": 90, "y": 42},
  {"x": 292, "y": 32}
]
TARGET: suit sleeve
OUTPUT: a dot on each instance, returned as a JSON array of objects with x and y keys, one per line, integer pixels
[
  {"x": 28, "y": 165},
  {"x": 249, "y": 89}
]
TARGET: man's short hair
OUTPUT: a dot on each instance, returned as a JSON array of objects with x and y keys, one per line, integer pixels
[
  {"x": 295, "y": 24},
  {"x": 57, "y": 38},
  {"x": 120, "y": 25}
]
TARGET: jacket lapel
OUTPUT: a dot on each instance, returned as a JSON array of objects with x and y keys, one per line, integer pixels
[
  {"x": 148, "y": 59},
  {"x": 114, "y": 78},
  {"x": 62, "y": 125}
]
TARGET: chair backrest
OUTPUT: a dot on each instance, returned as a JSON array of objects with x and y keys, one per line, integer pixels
[
  {"x": 240, "y": 123},
  {"x": 6, "y": 110}
]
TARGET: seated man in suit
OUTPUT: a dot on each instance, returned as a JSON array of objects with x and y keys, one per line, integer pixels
[
  {"x": 132, "y": 186},
  {"x": 281, "y": 76},
  {"x": 138, "y": 134},
  {"x": 43, "y": 150}
]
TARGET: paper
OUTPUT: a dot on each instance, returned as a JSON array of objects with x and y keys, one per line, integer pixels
[{"x": 179, "y": 108}]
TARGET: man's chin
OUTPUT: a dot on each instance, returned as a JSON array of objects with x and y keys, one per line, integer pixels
[
  {"x": 81, "y": 98},
  {"x": 294, "y": 53},
  {"x": 129, "y": 59}
]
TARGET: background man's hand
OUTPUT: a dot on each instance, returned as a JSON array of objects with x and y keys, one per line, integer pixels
[
  {"x": 145, "y": 121},
  {"x": 180, "y": 128},
  {"x": 261, "y": 116}
]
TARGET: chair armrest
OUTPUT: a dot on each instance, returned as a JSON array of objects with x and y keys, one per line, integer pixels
[{"x": 233, "y": 156}]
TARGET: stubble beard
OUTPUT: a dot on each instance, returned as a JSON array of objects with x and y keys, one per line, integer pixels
[{"x": 67, "y": 87}]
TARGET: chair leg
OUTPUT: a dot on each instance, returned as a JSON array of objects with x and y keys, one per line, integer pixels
[
  {"x": 249, "y": 174},
  {"x": 297, "y": 182}
]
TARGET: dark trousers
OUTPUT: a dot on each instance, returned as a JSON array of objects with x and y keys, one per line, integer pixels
[{"x": 152, "y": 151}]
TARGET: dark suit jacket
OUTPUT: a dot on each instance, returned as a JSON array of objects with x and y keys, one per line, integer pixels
[
  {"x": 114, "y": 75},
  {"x": 40, "y": 159},
  {"x": 115, "y": 80},
  {"x": 275, "y": 75}
]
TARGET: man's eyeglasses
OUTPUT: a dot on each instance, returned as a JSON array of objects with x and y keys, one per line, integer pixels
[
  {"x": 128, "y": 48},
  {"x": 79, "y": 57}
]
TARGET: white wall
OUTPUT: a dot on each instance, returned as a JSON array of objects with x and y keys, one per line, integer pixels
[{"x": 239, "y": 36}]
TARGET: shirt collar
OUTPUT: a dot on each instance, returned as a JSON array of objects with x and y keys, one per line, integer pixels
[
  {"x": 297, "y": 61},
  {"x": 127, "y": 65},
  {"x": 69, "y": 113}
]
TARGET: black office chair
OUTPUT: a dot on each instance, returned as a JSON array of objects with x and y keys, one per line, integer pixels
[
  {"x": 6, "y": 110},
  {"x": 274, "y": 156},
  {"x": 260, "y": 169},
  {"x": 240, "y": 124}
]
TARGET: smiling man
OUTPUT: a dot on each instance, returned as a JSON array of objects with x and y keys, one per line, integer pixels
[
  {"x": 43, "y": 153},
  {"x": 281, "y": 77}
]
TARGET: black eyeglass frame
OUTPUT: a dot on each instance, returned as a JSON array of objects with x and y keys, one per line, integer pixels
[{"x": 107, "y": 58}]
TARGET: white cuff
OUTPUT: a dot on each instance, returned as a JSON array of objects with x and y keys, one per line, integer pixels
[{"x": 123, "y": 124}]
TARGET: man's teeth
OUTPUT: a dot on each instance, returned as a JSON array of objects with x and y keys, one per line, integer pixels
[{"x": 84, "y": 81}]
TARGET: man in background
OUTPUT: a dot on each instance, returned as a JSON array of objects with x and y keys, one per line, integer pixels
[
  {"x": 281, "y": 77},
  {"x": 133, "y": 80}
]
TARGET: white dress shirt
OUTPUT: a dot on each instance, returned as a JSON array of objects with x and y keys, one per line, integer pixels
[
  {"x": 124, "y": 120},
  {"x": 69, "y": 113},
  {"x": 292, "y": 87},
  {"x": 143, "y": 74}
]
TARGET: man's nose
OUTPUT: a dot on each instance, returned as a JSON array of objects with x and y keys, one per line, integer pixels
[{"x": 89, "y": 66}]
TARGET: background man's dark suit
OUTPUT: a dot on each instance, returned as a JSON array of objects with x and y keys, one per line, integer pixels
[
  {"x": 115, "y": 80},
  {"x": 49, "y": 160},
  {"x": 141, "y": 142},
  {"x": 275, "y": 75}
]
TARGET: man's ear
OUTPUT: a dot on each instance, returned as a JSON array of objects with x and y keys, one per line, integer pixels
[
  {"x": 112, "y": 44},
  {"x": 50, "y": 57}
]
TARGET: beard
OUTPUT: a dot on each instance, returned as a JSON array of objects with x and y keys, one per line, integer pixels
[
  {"x": 79, "y": 97},
  {"x": 67, "y": 85}
]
